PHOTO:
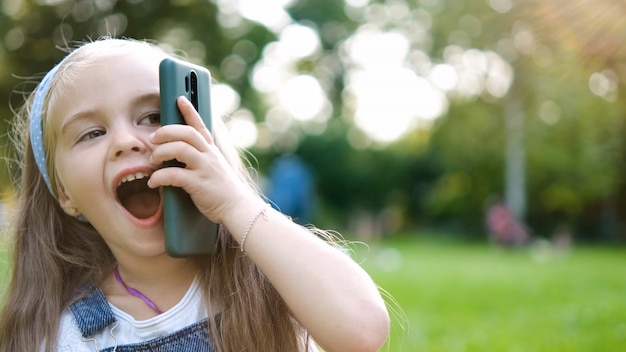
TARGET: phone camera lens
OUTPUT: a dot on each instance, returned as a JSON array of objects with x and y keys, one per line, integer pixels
[{"x": 194, "y": 89}]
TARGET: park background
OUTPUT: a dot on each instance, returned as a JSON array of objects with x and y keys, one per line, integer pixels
[{"x": 411, "y": 117}]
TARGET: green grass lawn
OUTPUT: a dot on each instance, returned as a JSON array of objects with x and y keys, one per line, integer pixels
[
  {"x": 473, "y": 297},
  {"x": 455, "y": 297}
]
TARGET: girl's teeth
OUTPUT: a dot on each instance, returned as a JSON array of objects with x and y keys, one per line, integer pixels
[{"x": 137, "y": 176}]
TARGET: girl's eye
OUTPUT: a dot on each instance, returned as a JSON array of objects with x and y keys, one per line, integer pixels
[
  {"x": 151, "y": 119},
  {"x": 91, "y": 135}
]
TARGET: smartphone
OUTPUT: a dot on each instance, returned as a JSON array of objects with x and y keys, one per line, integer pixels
[{"x": 187, "y": 231}]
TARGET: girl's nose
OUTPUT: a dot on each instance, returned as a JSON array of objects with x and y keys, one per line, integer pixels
[{"x": 127, "y": 140}]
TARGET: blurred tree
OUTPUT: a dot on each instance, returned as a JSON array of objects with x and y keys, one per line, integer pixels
[
  {"x": 579, "y": 44},
  {"x": 468, "y": 62},
  {"x": 569, "y": 133},
  {"x": 36, "y": 36}
]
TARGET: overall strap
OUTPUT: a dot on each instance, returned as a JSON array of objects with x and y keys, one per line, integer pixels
[
  {"x": 194, "y": 338},
  {"x": 92, "y": 313}
]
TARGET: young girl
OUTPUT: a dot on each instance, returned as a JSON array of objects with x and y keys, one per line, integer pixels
[{"x": 90, "y": 271}]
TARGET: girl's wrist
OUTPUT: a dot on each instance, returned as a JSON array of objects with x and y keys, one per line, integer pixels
[
  {"x": 237, "y": 217},
  {"x": 262, "y": 213}
]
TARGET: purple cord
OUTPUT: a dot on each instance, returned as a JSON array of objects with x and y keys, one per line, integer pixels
[{"x": 136, "y": 293}]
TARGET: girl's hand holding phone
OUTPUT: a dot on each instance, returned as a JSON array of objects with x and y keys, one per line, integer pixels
[{"x": 207, "y": 177}]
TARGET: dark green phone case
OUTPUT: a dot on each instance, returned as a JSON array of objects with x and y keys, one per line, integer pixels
[{"x": 187, "y": 231}]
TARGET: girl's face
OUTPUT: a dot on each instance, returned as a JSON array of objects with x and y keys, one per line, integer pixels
[{"x": 101, "y": 125}]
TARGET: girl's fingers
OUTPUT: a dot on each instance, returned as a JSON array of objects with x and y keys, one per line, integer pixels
[
  {"x": 181, "y": 151},
  {"x": 194, "y": 132},
  {"x": 168, "y": 176},
  {"x": 183, "y": 133},
  {"x": 172, "y": 150},
  {"x": 192, "y": 118}
]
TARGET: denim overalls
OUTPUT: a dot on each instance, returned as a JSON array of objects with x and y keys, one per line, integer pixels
[{"x": 93, "y": 314}]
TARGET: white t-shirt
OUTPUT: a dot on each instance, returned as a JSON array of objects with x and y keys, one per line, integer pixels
[{"x": 127, "y": 330}]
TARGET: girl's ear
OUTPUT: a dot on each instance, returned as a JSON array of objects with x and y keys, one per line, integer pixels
[{"x": 66, "y": 202}]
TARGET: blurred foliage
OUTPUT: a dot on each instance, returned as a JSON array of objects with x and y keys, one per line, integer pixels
[{"x": 437, "y": 175}]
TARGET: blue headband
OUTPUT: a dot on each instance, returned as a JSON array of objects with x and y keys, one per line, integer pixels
[{"x": 36, "y": 130}]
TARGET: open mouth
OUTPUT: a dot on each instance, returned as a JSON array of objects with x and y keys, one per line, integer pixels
[{"x": 135, "y": 195}]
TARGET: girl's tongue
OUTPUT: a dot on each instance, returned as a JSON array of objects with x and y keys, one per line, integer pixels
[{"x": 139, "y": 199}]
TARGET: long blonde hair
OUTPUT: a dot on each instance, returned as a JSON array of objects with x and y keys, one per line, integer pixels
[{"x": 54, "y": 256}]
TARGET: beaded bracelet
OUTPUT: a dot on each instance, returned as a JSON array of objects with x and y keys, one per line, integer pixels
[{"x": 245, "y": 234}]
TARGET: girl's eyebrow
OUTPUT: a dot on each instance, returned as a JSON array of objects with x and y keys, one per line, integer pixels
[
  {"x": 143, "y": 99},
  {"x": 147, "y": 98},
  {"x": 81, "y": 115}
]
